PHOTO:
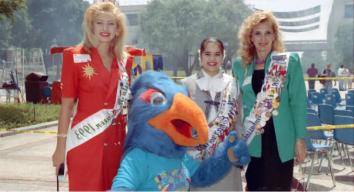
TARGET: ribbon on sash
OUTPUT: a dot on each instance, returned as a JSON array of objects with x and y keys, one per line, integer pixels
[
  {"x": 102, "y": 119},
  {"x": 268, "y": 99},
  {"x": 220, "y": 127}
]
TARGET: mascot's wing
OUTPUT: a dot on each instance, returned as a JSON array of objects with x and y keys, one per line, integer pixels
[{"x": 232, "y": 151}]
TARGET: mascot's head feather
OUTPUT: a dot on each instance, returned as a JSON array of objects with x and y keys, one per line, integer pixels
[{"x": 162, "y": 119}]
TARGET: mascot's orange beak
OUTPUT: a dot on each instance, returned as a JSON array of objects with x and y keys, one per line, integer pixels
[{"x": 179, "y": 121}]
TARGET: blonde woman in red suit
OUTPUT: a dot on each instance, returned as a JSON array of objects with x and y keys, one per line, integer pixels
[{"x": 94, "y": 75}]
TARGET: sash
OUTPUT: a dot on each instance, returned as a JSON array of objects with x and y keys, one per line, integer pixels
[
  {"x": 268, "y": 99},
  {"x": 220, "y": 127},
  {"x": 102, "y": 119}
]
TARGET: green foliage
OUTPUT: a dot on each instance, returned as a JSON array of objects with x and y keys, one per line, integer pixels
[
  {"x": 344, "y": 44},
  {"x": 56, "y": 22},
  {"x": 176, "y": 27},
  {"x": 19, "y": 115},
  {"x": 43, "y": 23},
  {"x": 8, "y": 8},
  {"x": 8, "y": 16}
]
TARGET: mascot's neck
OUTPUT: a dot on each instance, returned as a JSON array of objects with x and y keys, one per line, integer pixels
[
  {"x": 159, "y": 144},
  {"x": 164, "y": 151}
]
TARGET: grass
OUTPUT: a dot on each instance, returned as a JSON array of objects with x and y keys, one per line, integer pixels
[{"x": 20, "y": 115}]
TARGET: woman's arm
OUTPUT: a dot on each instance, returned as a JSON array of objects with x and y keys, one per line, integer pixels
[{"x": 66, "y": 109}]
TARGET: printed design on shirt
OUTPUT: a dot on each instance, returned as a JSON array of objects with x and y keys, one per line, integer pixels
[
  {"x": 88, "y": 71},
  {"x": 175, "y": 180}
]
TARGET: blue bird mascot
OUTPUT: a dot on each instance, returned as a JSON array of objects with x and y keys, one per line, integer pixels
[{"x": 162, "y": 123}]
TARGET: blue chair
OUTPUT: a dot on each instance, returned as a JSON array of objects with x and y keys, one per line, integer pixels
[
  {"x": 309, "y": 92},
  {"x": 349, "y": 99},
  {"x": 323, "y": 91},
  {"x": 335, "y": 92},
  {"x": 349, "y": 107},
  {"x": 326, "y": 113},
  {"x": 343, "y": 112},
  {"x": 313, "y": 111},
  {"x": 316, "y": 98},
  {"x": 351, "y": 91},
  {"x": 314, "y": 120},
  {"x": 344, "y": 135},
  {"x": 330, "y": 100},
  {"x": 314, "y": 151}
]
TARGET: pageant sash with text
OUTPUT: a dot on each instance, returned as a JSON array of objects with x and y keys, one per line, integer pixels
[
  {"x": 268, "y": 99},
  {"x": 220, "y": 127}
]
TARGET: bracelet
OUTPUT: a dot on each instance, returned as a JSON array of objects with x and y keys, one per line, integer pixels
[{"x": 61, "y": 135}]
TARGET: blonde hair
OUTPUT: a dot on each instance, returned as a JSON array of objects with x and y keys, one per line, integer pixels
[
  {"x": 117, "y": 44},
  {"x": 247, "y": 50}
]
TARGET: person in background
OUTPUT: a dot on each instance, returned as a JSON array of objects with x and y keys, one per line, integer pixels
[
  {"x": 327, "y": 72},
  {"x": 208, "y": 88},
  {"x": 94, "y": 76},
  {"x": 274, "y": 103},
  {"x": 312, "y": 72},
  {"x": 342, "y": 72}
]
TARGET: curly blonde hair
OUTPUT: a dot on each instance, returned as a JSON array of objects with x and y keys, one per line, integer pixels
[
  {"x": 247, "y": 50},
  {"x": 89, "y": 41}
]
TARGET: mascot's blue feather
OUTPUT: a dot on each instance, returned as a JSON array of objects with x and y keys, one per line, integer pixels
[{"x": 140, "y": 133}]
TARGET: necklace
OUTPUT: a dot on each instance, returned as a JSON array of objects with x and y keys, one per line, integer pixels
[{"x": 260, "y": 61}]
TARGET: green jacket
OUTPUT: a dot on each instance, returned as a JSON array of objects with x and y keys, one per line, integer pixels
[{"x": 291, "y": 121}]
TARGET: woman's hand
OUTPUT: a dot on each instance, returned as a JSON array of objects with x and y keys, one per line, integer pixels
[
  {"x": 300, "y": 150},
  {"x": 58, "y": 157}
]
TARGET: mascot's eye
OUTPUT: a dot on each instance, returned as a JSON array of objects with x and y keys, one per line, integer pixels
[
  {"x": 153, "y": 96},
  {"x": 157, "y": 98}
]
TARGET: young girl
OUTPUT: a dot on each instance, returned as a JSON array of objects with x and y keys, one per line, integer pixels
[
  {"x": 94, "y": 75},
  {"x": 210, "y": 88}
]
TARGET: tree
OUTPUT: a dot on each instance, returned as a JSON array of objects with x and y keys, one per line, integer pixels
[
  {"x": 344, "y": 44},
  {"x": 176, "y": 27},
  {"x": 9, "y": 7},
  {"x": 56, "y": 22}
]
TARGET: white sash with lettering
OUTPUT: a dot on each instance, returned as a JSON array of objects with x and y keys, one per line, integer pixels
[
  {"x": 102, "y": 119},
  {"x": 268, "y": 98},
  {"x": 221, "y": 125}
]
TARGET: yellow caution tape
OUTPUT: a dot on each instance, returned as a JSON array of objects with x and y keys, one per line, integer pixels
[
  {"x": 328, "y": 78},
  {"x": 31, "y": 131},
  {"x": 330, "y": 127},
  {"x": 306, "y": 78}
]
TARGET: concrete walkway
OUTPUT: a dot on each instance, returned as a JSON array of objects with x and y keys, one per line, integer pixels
[{"x": 25, "y": 164}]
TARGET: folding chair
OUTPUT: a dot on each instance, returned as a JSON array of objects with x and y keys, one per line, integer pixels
[
  {"x": 314, "y": 151},
  {"x": 326, "y": 113},
  {"x": 317, "y": 149},
  {"x": 345, "y": 136}
]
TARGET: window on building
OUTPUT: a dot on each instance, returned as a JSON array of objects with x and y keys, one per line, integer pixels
[
  {"x": 133, "y": 19},
  {"x": 348, "y": 11}
]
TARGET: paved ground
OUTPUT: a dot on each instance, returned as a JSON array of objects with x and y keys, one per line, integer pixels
[
  {"x": 25, "y": 162},
  {"x": 25, "y": 165}
]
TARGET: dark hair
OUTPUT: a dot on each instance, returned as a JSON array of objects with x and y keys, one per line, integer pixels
[{"x": 212, "y": 40}]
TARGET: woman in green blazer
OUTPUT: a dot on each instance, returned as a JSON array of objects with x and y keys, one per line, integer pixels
[{"x": 282, "y": 132}]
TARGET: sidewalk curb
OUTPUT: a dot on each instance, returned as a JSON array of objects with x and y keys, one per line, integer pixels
[{"x": 28, "y": 128}]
